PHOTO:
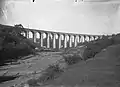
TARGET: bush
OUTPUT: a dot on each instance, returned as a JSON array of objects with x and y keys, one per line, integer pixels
[
  {"x": 54, "y": 67},
  {"x": 91, "y": 52},
  {"x": 71, "y": 59}
]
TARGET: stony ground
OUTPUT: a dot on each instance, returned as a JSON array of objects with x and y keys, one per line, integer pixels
[
  {"x": 101, "y": 71},
  {"x": 28, "y": 66}
]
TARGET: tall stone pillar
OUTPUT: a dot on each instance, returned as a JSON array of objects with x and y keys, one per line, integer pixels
[
  {"x": 24, "y": 33},
  {"x": 65, "y": 41},
  {"x": 59, "y": 37},
  {"x": 34, "y": 37},
  {"x": 27, "y": 34},
  {"x": 100, "y": 37},
  {"x": 84, "y": 37},
  {"x": 75, "y": 40},
  {"x": 89, "y": 38},
  {"x": 41, "y": 39},
  {"x": 79, "y": 39},
  {"x": 54, "y": 40},
  {"x": 70, "y": 41},
  {"x": 48, "y": 40}
]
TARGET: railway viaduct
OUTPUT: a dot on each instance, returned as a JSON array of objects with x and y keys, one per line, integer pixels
[{"x": 51, "y": 39}]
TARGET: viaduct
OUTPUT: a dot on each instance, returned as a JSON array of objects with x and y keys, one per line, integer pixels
[{"x": 54, "y": 39}]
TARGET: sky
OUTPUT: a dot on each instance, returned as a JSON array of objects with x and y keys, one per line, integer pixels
[{"x": 88, "y": 17}]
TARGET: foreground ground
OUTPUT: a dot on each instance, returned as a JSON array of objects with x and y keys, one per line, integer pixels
[{"x": 101, "y": 71}]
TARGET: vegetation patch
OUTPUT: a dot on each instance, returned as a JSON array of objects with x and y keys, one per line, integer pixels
[
  {"x": 71, "y": 59},
  {"x": 13, "y": 45},
  {"x": 52, "y": 72}
]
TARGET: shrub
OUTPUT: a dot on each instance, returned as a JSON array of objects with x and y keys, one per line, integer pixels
[
  {"x": 71, "y": 59},
  {"x": 54, "y": 67},
  {"x": 89, "y": 53}
]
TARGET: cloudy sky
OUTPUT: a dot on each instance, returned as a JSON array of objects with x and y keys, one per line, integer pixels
[{"x": 90, "y": 16}]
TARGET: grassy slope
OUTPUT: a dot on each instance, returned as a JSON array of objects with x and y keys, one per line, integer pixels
[{"x": 103, "y": 71}]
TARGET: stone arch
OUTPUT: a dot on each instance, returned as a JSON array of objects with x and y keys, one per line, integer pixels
[
  {"x": 30, "y": 35},
  {"x": 37, "y": 37},
  {"x": 82, "y": 39},
  {"x": 65, "y": 40},
  {"x": 59, "y": 40},
  {"x": 54, "y": 37},
  {"x": 51, "y": 36},
  {"x": 79, "y": 38},
  {"x": 87, "y": 38},
  {"x": 96, "y": 37},
  {"x": 72, "y": 40},
  {"x": 76, "y": 40},
  {"x": 41, "y": 38},
  {"x": 33, "y": 36},
  {"x": 44, "y": 35},
  {"x": 57, "y": 36},
  {"x": 47, "y": 39},
  {"x": 62, "y": 40},
  {"x": 92, "y": 38}
]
